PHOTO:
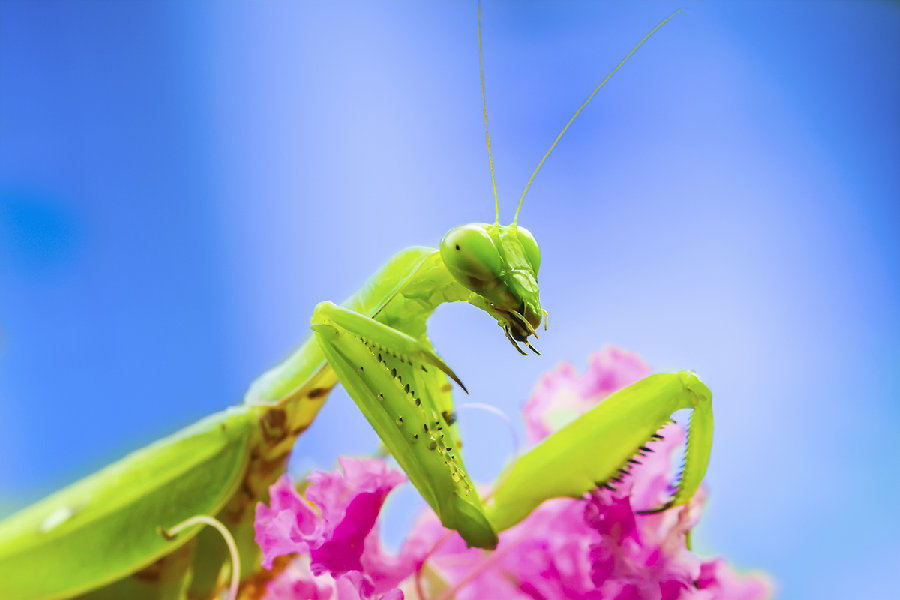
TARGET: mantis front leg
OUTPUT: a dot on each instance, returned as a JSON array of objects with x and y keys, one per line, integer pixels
[
  {"x": 598, "y": 447},
  {"x": 402, "y": 388}
]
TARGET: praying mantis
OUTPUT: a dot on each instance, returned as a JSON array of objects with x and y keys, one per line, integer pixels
[{"x": 127, "y": 530}]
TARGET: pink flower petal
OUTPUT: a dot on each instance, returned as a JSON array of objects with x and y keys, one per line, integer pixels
[
  {"x": 723, "y": 583},
  {"x": 334, "y": 537},
  {"x": 342, "y": 550},
  {"x": 297, "y": 581},
  {"x": 285, "y": 527},
  {"x": 596, "y": 548},
  {"x": 353, "y": 585}
]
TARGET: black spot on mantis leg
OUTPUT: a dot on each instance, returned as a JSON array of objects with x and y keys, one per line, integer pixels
[
  {"x": 409, "y": 396},
  {"x": 449, "y": 417}
]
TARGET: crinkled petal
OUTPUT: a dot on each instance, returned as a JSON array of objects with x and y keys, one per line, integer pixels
[
  {"x": 611, "y": 515},
  {"x": 724, "y": 584},
  {"x": 342, "y": 550},
  {"x": 285, "y": 527},
  {"x": 348, "y": 504},
  {"x": 354, "y": 585},
  {"x": 386, "y": 569},
  {"x": 297, "y": 581},
  {"x": 332, "y": 491}
]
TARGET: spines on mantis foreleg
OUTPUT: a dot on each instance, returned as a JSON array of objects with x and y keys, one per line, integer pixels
[
  {"x": 696, "y": 457},
  {"x": 402, "y": 388},
  {"x": 595, "y": 447}
]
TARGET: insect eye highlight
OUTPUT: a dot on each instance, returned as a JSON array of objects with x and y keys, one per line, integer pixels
[{"x": 469, "y": 252}]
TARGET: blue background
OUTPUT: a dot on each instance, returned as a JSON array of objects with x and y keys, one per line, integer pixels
[{"x": 182, "y": 182}]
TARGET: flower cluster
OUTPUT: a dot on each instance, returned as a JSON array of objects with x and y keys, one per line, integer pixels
[
  {"x": 595, "y": 548},
  {"x": 332, "y": 527}
]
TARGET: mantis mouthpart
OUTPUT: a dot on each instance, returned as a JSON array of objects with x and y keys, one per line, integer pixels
[{"x": 102, "y": 537}]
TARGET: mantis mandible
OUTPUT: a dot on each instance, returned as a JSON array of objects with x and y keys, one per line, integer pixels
[{"x": 113, "y": 534}]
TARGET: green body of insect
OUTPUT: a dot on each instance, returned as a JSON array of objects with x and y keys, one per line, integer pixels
[
  {"x": 107, "y": 536},
  {"x": 102, "y": 535}
]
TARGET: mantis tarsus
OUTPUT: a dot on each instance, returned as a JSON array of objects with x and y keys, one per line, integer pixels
[{"x": 108, "y": 535}]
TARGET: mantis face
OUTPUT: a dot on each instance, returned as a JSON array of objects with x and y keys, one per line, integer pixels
[{"x": 499, "y": 265}]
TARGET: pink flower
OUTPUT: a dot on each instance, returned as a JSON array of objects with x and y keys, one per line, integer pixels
[
  {"x": 297, "y": 581},
  {"x": 332, "y": 525},
  {"x": 595, "y": 548},
  {"x": 560, "y": 396},
  {"x": 717, "y": 578}
]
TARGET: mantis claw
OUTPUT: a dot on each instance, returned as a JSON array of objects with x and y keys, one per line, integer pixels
[{"x": 512, "y": 341}]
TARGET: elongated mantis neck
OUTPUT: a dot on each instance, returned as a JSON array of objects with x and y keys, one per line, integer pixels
[{"x": 403, "y": 295}]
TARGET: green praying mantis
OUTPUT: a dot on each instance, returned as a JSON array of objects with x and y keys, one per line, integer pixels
[{"x": 129, "y": 530}]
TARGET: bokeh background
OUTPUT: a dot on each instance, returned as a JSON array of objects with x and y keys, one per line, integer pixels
[{"x": 182, "y": 182}]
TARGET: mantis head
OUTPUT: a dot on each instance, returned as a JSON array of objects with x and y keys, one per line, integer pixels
[{"x": 499, "y": 265}]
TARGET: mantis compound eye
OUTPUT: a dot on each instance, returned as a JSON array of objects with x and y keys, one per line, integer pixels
[
  {"x": 469, "y": 253},
  {"x": 530, "y": 246}
]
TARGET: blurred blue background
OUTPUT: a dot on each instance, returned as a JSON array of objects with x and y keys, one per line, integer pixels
[{"x": 183, "y": 182}]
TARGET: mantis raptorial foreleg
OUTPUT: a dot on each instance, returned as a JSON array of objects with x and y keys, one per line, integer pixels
[
  {"x": 598, "y": 448},
  {"x": 390, "y": 377}
]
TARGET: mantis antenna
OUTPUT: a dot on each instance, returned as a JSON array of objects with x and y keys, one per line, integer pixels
[
  {"x": 597, "y": 89},
  {"x": 486, "y": 132}
]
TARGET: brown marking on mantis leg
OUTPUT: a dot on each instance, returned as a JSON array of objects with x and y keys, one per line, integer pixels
[
  {"x": 279, "y": 426},
  {"x": 272, "y": 423}
]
